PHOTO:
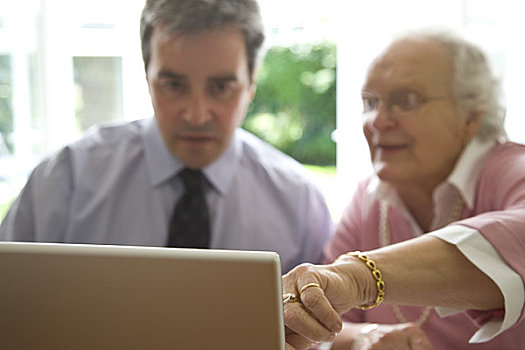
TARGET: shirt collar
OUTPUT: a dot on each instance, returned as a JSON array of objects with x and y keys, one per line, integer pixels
[
  {"x": 220, "y": 173},
  {"x": 466, "y": 173},
  {"x": 468, "y": 165},
  {"x": 163, "y": 166}
]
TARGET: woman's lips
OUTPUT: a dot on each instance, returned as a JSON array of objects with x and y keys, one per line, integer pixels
[{"x": 389, "y": 149}]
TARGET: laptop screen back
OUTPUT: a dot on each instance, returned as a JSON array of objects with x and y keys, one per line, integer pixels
[{"x": 60, "y": 296}]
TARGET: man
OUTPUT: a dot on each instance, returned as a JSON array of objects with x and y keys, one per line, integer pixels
[
  {"x": 441, "y": 220},
  {"x": 120, "y": 184}
]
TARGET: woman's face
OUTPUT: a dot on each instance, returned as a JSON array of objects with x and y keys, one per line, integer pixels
[{"x": 414, "y": 128}]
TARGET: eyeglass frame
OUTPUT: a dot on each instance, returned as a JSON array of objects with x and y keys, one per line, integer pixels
[{"x": 403, "y": 106}]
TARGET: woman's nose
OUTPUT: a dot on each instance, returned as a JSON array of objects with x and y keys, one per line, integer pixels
[{"x": 379, "y": 118}]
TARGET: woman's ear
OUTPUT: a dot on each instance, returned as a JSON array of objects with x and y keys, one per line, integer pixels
[{"x": 474, "y": 121}]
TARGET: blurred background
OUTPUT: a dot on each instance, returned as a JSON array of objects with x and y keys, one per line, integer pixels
[{"x": 68, "y": 64}]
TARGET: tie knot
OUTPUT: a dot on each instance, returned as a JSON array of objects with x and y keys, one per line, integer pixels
[{"x": 192, "y": 179}]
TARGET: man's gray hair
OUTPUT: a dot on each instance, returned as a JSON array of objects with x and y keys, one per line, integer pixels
[
  {"x": 474, "y": 85},
  {"x": 194, "y": 16}
]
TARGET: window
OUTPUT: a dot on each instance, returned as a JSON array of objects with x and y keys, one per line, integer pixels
[
  {"x": 98, "y": 90},
  {"x": 6, "y": 110}
]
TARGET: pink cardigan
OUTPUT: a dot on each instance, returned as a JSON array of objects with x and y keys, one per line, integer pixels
[{"x": 498, "y": 213}]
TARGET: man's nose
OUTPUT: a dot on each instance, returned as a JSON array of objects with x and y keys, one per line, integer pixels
[{"x": 197, "y": 110}]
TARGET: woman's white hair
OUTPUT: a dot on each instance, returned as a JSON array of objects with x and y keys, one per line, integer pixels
[{"x": 474, "y": 85}]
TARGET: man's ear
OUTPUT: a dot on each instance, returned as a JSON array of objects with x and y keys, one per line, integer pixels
[
  {"x": 253, "y": 90},
  {"x": 253, "y": 86}
]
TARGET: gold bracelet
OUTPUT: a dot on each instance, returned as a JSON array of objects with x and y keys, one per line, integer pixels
[{"x": 377, "y": 276}]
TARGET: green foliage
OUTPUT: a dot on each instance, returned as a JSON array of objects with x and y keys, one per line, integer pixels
[
  {"x": 295, "y": 104},
  {"x": 4, "y": 207},
  {"x": 328, "y": 171},
  {"x": 6, "y": 112}
]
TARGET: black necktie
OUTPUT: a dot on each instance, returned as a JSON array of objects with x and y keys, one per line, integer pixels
[{"x": 189, "y": 226}]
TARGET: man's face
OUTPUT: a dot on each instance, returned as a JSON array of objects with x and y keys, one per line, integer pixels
[
  {"x": 201, "y": 89},
  {"x": 413, "y": 126}
]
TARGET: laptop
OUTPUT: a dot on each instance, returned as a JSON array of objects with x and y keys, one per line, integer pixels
[{"x": 69, "y": 296}]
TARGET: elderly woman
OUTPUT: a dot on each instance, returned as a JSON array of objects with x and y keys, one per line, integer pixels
[{"x": 441, "y": 222}]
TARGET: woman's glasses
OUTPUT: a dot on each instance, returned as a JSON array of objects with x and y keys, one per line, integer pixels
[{"x": 403, "y": 102}]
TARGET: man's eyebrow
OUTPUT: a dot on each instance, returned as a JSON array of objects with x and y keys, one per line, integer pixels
[
  {"x": 171, "y": 75},
  {"x": 166, "y": 74},
  {"x": 223, "y": 78}
]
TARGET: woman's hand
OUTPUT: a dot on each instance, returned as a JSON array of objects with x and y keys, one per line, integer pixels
[
  {"x": 403, "y": 336},
  {"x": 332, "y": 290}
]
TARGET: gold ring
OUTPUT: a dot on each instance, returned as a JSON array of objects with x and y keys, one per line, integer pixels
[
  {"x": 308, "y": 285},
  {"x": 290, "y": 298}
]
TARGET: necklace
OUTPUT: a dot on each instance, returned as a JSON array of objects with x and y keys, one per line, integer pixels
[{"x": 385, "y": 238}]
